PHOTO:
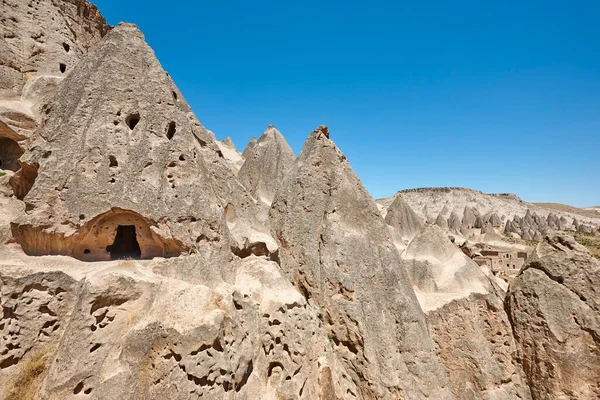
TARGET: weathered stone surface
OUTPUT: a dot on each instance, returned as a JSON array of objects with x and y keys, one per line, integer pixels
[
  {"x": 403, "y": 219},
  {"x": 554, "y": 307},
  {"x": 454, "y": 223},
  {"x": 439, "y": 271},
  {"x": 335, "y": 248},
  {"x": 474, "y": 340},
  {"x": 249, "y": 147},
  {"x": 266, "y": 165},
  {"x": 469, "y": 218},
  {"x": 128, "y": 332},
  {"x": 230, "y": 154},
  {"x": 133, "y": 148},
  {"x": 441, "y": 222}
]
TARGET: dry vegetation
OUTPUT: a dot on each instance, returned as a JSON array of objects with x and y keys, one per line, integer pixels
[
  {"x": 589, "y": 240},
  {"x": 569, "y": 209},
  {"x": 28, "y": 380}
]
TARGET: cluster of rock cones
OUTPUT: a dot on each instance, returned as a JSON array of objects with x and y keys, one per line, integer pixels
[{"x": 140, "y": 258}]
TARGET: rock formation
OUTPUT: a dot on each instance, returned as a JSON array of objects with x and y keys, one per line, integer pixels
[
  {"x": 403, "y": 219},
  {"x": 134, "y": 160},
  {"x": 266, "y": 164},
  {"x": 441, "y": 222},
  {"x": 469, "y": 218},
  {"x": 249, "y": 147},
  {"x": 554, "y": 308},
  {"x": 40, "y": 43},
  {"x": 467, "y": 321},
  {"x": 454, "y": 223},
  {"x": 330, "y": 229},
  {"x": 140, "y": 258}
]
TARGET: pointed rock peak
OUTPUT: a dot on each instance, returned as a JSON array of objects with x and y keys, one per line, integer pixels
[
  {"x": 270, "y": 134},
  {"x": 266, "y": 163},
  {"x": 131, "y": 145},
  {"x": 331, "y": 234},
  {"x": 431, "y": 241},
  {"x": 403, "y": 218},
  {"x": 322, "y": 130},
  {"x": 271, "y": 126},
  {"x": 249, "y": 147},
  {"x": 229, "y": 143}
]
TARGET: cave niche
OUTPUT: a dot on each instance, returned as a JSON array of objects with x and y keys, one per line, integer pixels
[
  {"x": 10, "y": 152},
  {"x": 114, "y": 235},
  {"x": 122, "y": 234}
]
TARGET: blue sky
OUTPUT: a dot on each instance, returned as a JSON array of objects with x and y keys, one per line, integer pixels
[{"x": 496, "y": 96}]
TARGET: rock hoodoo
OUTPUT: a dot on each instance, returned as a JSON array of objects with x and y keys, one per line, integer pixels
[
  {"x": 330, "y": 230},
  {"x": 266, "y": 165},
  {"x": 403, "y": 219},
  {"x": 142, "y": 258},
  {"x": 138, "y": 149}
]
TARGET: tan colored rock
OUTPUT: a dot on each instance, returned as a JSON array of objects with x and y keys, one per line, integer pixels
[
  {"x": 474, "y": 340},
  {"x": 134, "y": 149},
  {"x": 439, "y": 271},
  {"x": 266, "y": 165},
  {"x": 554, "y": 308},
  {"x": 335, "y": 248},
  {"x": 120, "y": 330},
  {"x": 441, "y": 222},
  {"x": 403, "y": 219}
]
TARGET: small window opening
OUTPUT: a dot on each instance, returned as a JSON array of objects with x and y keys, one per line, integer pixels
[
  {"x": 66, "y": 47},
  {"x": 86, "y": 251},
  {"x": 63, "y": 68},
  {"x": 175, "y": 97},
  {"x": 171, "y": 130},
  {"x": 133, "y": 120},
  {"x": 113, "y": 162},
  {"x": 125, "y": 244}
]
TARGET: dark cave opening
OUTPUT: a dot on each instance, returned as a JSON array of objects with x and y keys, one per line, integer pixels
[{"x": 125, "y": 245}]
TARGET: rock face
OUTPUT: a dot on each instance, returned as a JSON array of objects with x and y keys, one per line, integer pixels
[
  {"x": 134, "y": 157},
  {"x": 266, "y": 165},
  {"x": 40, "y": 43},
  {"x": 403, "y": 219},
  {"x": 554, "y": 306},
  {"x": 466, "y": 319},
  {"x": 474, "y": 340},
  {"x": 336, "y": 250},
  {"x": 139, "y": 259},
  {"x": 439, "y": 271},
  {"x": 127, "y": 332}
]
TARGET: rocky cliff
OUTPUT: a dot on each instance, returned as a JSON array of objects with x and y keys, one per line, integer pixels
[{"x": 140, "y": 258}]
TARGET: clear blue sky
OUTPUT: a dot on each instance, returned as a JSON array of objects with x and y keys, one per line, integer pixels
[{"x": 499, "y": 96}]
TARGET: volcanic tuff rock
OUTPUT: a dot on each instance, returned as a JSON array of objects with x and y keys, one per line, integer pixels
[
  {"x": 439, "y": 271},
  {"x": 554, "y": 307},
  {"x": 441, "y": 221},
  {"x": 127, "y": 332},
  {"x": 249, "y": 147},
  {"x": 235, "y": 297},
  {"x": 266, "y": 165},
  {"x": 466, "y": 319},
  {"x": 40, "y": 42},
  {"x": 335, "y": 248},
  {"x": 403, "y": 219},
  {"x": 474, "y": 340},
  {"x": 130, "y": 152},
  {"x": 230, "y": 154}
]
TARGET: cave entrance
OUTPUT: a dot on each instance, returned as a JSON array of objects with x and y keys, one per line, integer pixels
[
  {"x": 10, "y": 152},
  {"x": 125, "y": 244}
]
